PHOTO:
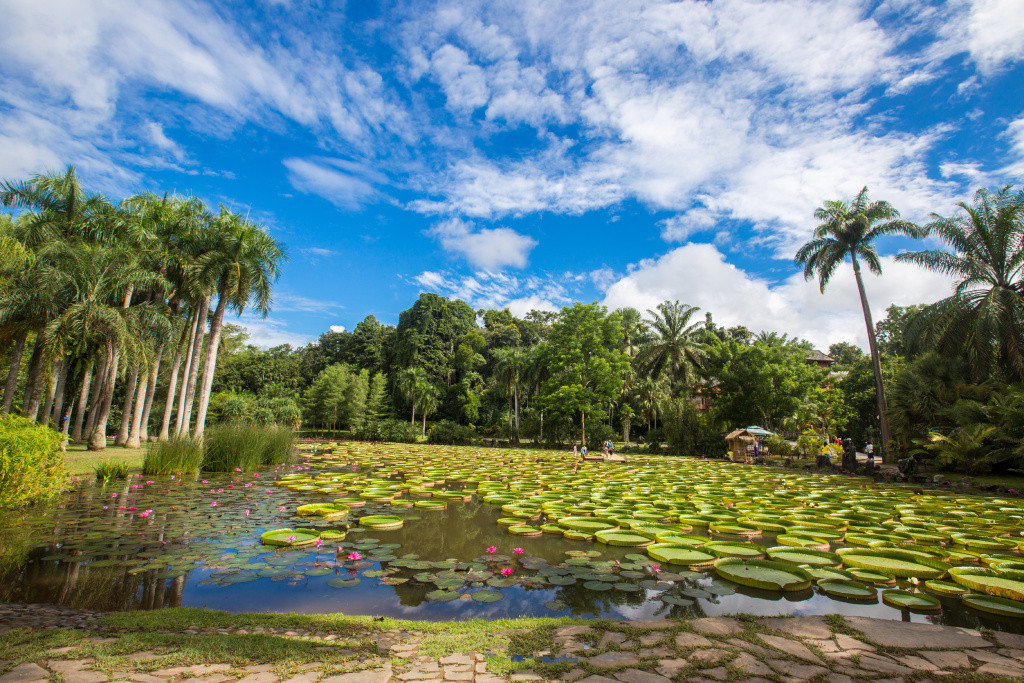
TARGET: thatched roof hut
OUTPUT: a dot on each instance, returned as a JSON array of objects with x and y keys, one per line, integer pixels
[{"x": 740, "y": 443}]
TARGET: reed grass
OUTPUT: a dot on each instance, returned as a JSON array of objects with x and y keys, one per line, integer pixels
[
  {"x": 234, "y": 446},
  {"x": 179, "y": 454},
  {"x": 110, "y": 470}
]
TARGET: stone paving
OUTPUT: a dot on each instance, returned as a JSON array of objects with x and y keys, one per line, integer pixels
[{"x": 780, "y": 649}]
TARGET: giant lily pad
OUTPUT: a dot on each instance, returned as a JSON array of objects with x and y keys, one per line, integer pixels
[
  {"x": 910, "y": 601},
  {"x": 381, "y": 522},
  {"x": 763, "y": 574},
  {"x": 290, "y": 537}
]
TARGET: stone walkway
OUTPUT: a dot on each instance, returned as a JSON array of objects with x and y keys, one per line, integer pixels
[{"x": 711, "y": 649}]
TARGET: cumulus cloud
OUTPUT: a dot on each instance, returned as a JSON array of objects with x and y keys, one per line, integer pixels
[
  {"x": 490, "y": 248},
  {"x": 698, "y": 274},
  {"x": 269, "y": 332}
]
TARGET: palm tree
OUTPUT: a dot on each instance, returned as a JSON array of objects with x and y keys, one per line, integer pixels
[
  {"x": 675, "y": 344},
  {"x": 983, "y": 317},
  {"x": 428, "y": 397},
  {"x": 848, "y": 230},
  {"x": 510, "y": 366},
  {"x": 99, "y": 280},
  {"x": 244, "y": 264},
  {"x": 410, "y": 381}
]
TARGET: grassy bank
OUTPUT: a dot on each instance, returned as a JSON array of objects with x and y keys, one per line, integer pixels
[{"x": 81, "y": 462}]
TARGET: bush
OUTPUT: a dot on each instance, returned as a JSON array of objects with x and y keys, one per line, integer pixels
[
  {"x": 780, "y": 447},
  {"x": 597, "y": 434},
  {"x": 396, "y": 431},
  {"x": 451, "y": 433},
  {"x": 654, "y": 438},
  {"x": 687, "y": 430},
  {"x": 179, "y": 454},
  {"x": 31, "y": 465},
  {"x": 237, "y": 445}
]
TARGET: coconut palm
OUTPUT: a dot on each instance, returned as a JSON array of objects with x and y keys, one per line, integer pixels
[
  {"x": 410, "y": 381},
  {"x": 674, "y": 346},
  {"x": 983, "y": 318},
  {"x": 848, "y": 230},
  {"x": 244, "y": 264}
]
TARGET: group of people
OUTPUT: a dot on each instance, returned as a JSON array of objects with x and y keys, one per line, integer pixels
[{"x": 607, "y": 449}]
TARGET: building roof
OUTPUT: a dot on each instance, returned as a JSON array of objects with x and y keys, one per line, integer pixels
[{"x": 817, "y": 356}]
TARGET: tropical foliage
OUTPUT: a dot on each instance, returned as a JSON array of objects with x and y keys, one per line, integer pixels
[{"x": 96, "y": 298}]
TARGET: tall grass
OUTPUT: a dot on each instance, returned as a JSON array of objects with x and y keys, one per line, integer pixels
[
  {"x": 180, "y": 454},
  {"x": 109, "y": 470},
  {"x": 224, "y": 448},
  {"x": 247, "y": 447}
]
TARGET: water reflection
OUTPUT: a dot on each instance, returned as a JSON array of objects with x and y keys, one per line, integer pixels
[{"x": 162, "y": 542}]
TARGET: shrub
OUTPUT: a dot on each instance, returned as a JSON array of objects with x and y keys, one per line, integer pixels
[
  {"x": 179, "y": 454},
  {"x": 654, "y": 439},
  {"x": 109, "y": 470},
  {"x": 780, "y": 447},
  {"x": 31, "y": 465},
  {"x": 237, "y": 445},
  {"x": 396, "y": 431},
  {"x": 450, "y": 433}
]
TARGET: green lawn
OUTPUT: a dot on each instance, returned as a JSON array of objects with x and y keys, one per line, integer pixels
[{"x": 81, "y": 462}]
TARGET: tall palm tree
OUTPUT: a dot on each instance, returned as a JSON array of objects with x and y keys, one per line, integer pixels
[
  {"x": 983, "y": 318},
  {"x": 675, "y": 346},
  {"x": 245, "y": 263},
  {"x": 410, "y": 381},
  {"x": 848, "y": 230},
  {"x": 510, "y": 365}
]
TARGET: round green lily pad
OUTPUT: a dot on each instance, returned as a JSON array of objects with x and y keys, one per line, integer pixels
[
  {"x": 910, "y": 601},
  {"x": 763, "y": 574}
]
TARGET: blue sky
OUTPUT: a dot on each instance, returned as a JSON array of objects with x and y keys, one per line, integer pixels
[{"x": 530, "y": 153}]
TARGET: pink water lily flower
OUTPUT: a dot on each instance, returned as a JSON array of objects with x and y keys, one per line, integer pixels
[
  {"x": 247, "y": 513},
  {"x": 655, "y": 568},
  {"x": 355, "y": 556},
  {"x": 214, "y": 504},
  {"x": 319, "y": 542},
  {"x": 518, "y": 551},
  {"x": 507, "y": 571},
  {"x": 492, "y": 549},
  {"x": 290, "y": 539},
  {"x": 204, "y": 482},
  {"x": 281, "y": 508}
]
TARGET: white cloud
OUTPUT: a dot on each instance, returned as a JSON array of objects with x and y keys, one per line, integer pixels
[
  {"x": 698, "y": 274},
  {"x": 155, "y": 133},
  {"x": 490, "y": 248},
  {"x": 342, "y": 183},
  {"x": 520, "y": 307},
  {"x": 996, "y": 33},
  {"x": 1015, "y": 134},
  {"x": 269, "y": 332},
  {"x": 338, "y": 329},
  {"x": 486, "y": 289},
  {"x": 463, "y": 82},
  {"x": 681, "y": 227},
  {"x": 303, "y": 304}
]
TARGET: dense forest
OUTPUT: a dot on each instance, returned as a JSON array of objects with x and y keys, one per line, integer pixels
[{"x": 115, "y": 314}]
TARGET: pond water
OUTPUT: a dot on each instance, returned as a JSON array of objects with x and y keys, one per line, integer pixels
[{"x": 154, "y": 542}]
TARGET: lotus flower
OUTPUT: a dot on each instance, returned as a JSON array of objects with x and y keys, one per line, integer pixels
[
  {"x": 290, "y": 539},
  {"x": 355, "y": 556},
  {"x": 247, "y": 513},
  {"x": 518, "y": 551},
  {"x": 281, "y": 508},
  {"x": 492, "y": 549},
  {"x": 506, "y": 571},
  {"x": 655, "y": 568},
  {"x": 204, "y": 482},
  {"x": 319, "y": 542}
]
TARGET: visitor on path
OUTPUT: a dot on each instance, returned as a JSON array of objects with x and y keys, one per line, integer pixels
[
  {"x": 870, "y": 450},
  {"x": 575, "y": 451},
  {"x": 609, "y": 447},
  {"x": 583, "y": 452}
]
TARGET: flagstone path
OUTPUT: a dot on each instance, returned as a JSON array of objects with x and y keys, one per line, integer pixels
[{"x": 808, "y": 648}]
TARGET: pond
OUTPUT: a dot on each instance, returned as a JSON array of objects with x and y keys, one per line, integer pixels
[{"x": 444, "y": 533}]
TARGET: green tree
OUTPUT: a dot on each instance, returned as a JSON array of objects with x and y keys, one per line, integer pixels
[
  {"x": 584, "y": 364},
  {"x": 847, "y": 231},
  {"x": 674, "y": 346},
  {"x": 983, "y": 318}
]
